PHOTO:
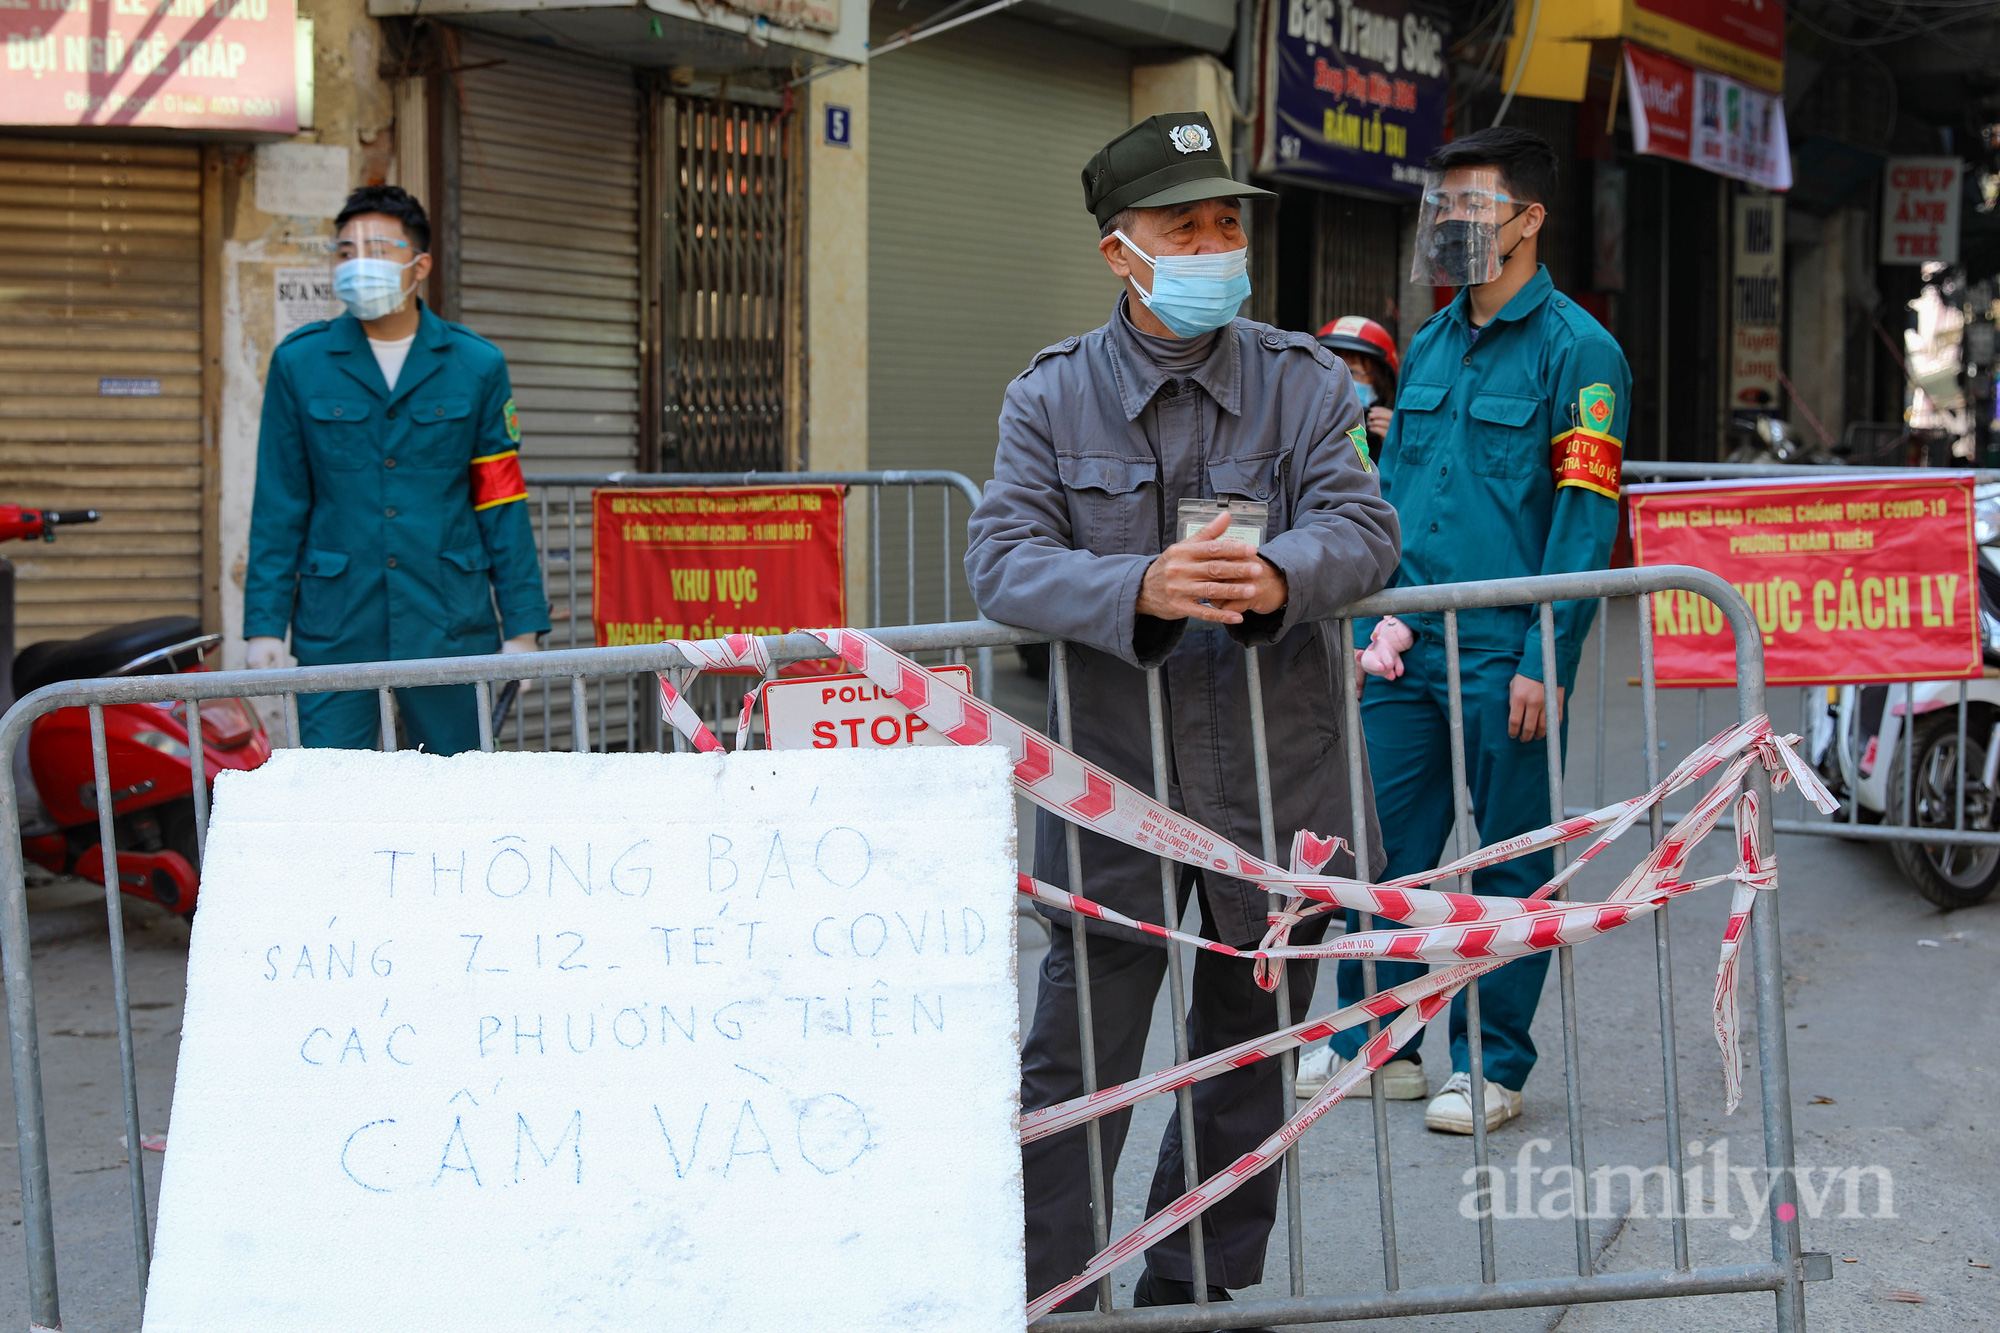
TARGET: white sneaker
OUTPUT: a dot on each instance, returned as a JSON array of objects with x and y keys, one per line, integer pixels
[
  {"x": 1402, "y": 1080},
  {"x": 1450, "y": 1112}
]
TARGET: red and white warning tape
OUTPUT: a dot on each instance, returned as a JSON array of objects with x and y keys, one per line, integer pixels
[
  {"x": 1475, "y": 934},
  {"x": 738, "y": 650}
]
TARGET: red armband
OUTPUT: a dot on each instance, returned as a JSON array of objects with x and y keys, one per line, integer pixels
[
  {"x": 496, "y": 480},
  {"x": 1585, "y": 458}
]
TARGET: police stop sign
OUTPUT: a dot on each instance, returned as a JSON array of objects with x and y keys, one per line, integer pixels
[{"x": 846, "y": 713}]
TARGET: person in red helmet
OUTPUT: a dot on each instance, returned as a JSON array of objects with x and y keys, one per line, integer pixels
[{"x": 1370, "y": 354}]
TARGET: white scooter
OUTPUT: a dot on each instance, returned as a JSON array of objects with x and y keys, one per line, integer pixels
[{"x": 1860, "y": 745}]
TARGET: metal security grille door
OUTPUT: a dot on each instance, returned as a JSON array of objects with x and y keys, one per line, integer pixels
[
  {"x": 100, "y": 377},
  {"x": 1360, "y": 242},
  {"x": 730, "y": 172},
  {"x": 548, "y": 218}
]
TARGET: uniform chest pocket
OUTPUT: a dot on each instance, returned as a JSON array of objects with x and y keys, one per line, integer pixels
[
  {"x": 1109, "y": 504},
  {"x": 466, "y": 588},
  {"x": 322, "y": 594},
  {"x": 1258, "y": 477},
  {"x": 1503, "y": 439},
  {"x": 437, "y": 432},
  {"x": 1420, "y": 425},
  {"x": 341, "y": 436}
]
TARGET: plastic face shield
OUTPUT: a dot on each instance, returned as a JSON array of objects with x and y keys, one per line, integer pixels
[
  {"x": 1458, "y": 229},
  {"x": 374, "y": 238}
]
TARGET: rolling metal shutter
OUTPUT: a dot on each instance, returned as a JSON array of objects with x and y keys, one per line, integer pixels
[
  {"x": 980, "y": 252},
  {"x": 548, "y": 195},
  {"x": 100, "y": 377},
  {"x": 548, "y": 209}
]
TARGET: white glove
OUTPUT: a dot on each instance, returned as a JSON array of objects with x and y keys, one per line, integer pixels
[
  {"x": 521, "y": 643},
  {"x": 263, "y": 653}
]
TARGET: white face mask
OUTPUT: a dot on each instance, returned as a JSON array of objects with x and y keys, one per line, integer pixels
[
  {"x": 1194, "y": 293},
  {"x": 370, "y": 288}
]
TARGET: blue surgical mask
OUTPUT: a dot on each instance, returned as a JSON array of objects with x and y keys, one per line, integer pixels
[
  {"x": 1366, "y": 393},
  {"x": 369, "y": 288},
  {"x": 1194, "y": 293}
]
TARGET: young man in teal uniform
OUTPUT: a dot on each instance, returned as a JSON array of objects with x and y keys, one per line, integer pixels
[
  {"x": 1502, "y": 461},
  {"x": 390, "y": 513}
]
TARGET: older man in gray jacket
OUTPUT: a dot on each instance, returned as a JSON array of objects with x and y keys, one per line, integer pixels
[{"x": 1100, "y": 439}]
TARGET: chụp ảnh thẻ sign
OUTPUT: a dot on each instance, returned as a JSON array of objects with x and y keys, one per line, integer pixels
[
  {"x": 1851, "y": 581},
  {"x": 701, "y": 563}
]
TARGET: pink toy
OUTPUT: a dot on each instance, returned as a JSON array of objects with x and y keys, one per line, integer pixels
[{"x": 1384, "y": 654}]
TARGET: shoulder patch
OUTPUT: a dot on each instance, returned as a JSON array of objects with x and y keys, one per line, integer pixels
[
  {"x": 1596, "y": 406},
  {"x": 513, "y": 421},
  {"x": 1358, "y": 437}
]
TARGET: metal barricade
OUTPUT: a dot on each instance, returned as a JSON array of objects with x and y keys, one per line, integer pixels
[
  {"x": 895, "y": 533},
  {"x": 1783, "y": 1274},
  {"x": 1938, "y": 810}
]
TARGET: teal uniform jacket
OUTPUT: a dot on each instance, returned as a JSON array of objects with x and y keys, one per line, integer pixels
[
  {"x": 1503, "y": 461},
  {"x": 386, "y": 525}
]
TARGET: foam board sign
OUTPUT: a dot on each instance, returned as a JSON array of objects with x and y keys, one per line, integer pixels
[{"x": 533, "y": 1041}]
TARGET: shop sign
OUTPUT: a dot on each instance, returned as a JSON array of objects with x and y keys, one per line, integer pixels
[
  {"x": 702, "y": 563},
  {"x": 1851, "y": 581},
  {"x": 1745, "y": 38},
  {"x": 1707, "y": 120},
  {"x": 1355, "y": 94},
  {"x": 177, "y": 64},
  {"x": 1920, "y": 205},
  {"x": 1757, "y": 301}
]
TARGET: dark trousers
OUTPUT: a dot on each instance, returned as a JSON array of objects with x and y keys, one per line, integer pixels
[
  {"x": 1408, "y": 729},
  {"x": 439, "y": 719},
  {"x": 1233, "y": 1112}
]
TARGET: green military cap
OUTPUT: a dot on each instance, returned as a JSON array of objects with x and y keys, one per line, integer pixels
[{"x": 1169, "y": 159}]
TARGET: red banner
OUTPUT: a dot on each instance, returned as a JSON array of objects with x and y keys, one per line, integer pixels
[
  {"x": 702, "y": 563},
  {"x": 1851, "y": 581},
  {"x": 185, "y": 64}
]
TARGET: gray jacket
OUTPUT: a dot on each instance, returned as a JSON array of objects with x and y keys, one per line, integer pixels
[{"x": 1097, "y": 448}]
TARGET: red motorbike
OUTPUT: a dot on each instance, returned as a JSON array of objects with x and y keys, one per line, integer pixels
[{"x": 147, "y": 746}]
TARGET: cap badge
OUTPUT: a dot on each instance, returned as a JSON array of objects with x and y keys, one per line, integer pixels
[{"x": 1190, "y": 138}]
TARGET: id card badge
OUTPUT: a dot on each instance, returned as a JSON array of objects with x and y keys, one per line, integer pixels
[{"x": 1246, "y": 519}]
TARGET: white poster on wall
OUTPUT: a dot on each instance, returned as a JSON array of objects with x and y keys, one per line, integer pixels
[
  {"x": 307, "y": 180},
  {"x": 300, "y": 294},
  {"x": 522, "y": 1042}
]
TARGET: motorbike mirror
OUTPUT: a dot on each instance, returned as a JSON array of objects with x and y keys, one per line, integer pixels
[{"x": 1986, "y": 521}]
